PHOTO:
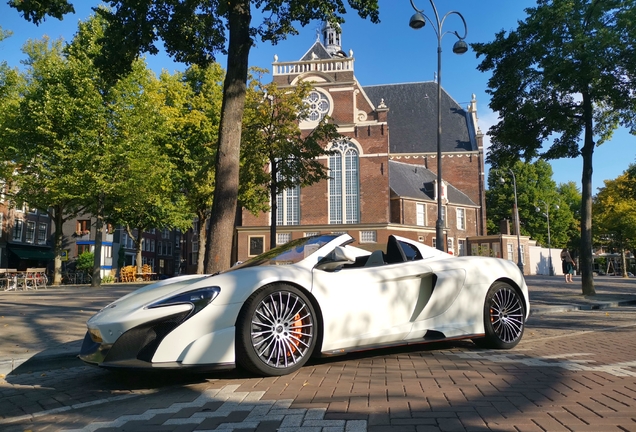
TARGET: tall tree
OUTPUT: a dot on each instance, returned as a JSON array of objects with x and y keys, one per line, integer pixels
[
  {"x": 567, "y": 72},
  {"x": 193, "y": 103},
  {"x": 11, "y": 85},
  {"x": 615, "y": 215},
  {"x": 146, "y": 195},
  {"x": 571, "y": 196},
  {"x": 537, "y": 198},
  {"x": 193, "y": 32},
  {"x": 47, "y": 133},
  {"x": 271, "y": 135}
]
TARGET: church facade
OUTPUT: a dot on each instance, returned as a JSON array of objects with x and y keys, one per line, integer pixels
[{"x": 383, "y": 176}]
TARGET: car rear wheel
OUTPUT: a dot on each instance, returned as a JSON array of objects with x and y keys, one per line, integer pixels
[
  {"x": 504, "y": 317},
  {"x": 276, "y": 331}
]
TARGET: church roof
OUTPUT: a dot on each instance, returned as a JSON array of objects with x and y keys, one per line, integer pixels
[
  {"x": 317, "y": 49},
  {"x": 412, "y": 118},
  {"x": 416, "y": 182}
]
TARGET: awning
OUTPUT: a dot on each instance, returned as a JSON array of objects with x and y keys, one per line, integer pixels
[{"x": 36, "y": 254}]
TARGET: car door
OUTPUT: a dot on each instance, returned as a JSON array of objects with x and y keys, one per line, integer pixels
[{"x": 369, "y": 305}]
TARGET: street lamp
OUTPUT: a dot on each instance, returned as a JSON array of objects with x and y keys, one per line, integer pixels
[
  {"x": 418, "y": 21},
  {"x": 547, "y": 216},
  {"x": 516, "y": 209}
]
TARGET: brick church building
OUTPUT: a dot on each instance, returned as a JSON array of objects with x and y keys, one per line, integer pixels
[{"x": 383, "y": 176}]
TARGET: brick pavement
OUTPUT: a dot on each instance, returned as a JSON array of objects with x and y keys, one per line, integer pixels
[{"x": 572, "y": 371}]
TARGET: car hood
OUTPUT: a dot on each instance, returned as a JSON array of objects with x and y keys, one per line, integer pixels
[{"x": 235, "y": 286}]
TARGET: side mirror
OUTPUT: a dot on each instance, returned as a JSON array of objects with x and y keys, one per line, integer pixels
[
  {"x": 336, "y": 259},
  {"x": 343, "y": 256}
]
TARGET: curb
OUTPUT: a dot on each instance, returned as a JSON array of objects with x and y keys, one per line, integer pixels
[
  {"x": 546, "y": 310},
  {"x": 40, "y": 360}
]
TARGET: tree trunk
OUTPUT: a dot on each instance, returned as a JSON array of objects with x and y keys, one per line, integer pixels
[
  {"x": 218, "y": 254},
  {"x": 138, "y": 259},
  {"x": 58, "y": 219},
  {"x": 203, "y": 232},
  {"x": 274, "y": 208},
  {"x": 587, "y": 267},
  {"x": 624, "y": 262},
  {"x": 96, "y": 280}
]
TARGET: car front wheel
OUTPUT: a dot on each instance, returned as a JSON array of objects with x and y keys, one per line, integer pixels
[
  {"x": 504, "y": 317},
  {"x": 276, "y": 331}
]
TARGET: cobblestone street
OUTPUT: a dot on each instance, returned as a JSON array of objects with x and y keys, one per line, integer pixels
[{"x": 573, "y": 371}]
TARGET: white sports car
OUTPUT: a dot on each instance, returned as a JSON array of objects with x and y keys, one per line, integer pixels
[{"x": 314, "y": 296}]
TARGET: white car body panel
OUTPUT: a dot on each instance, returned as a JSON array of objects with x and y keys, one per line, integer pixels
[{"x": 359, "y": 306}]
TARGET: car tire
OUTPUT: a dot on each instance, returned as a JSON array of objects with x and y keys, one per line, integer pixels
[
  {"x": 504, "y": 317},
  {"x": 276, "y": 331}
]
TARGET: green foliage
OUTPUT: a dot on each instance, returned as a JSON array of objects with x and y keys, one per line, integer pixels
[
  {"x": 37, "y": 10},
  {"x": 272, "y": 137},
  {"x": 85, "y": 261},
  {"x": 615, "y": 213},
  {"x": 566, "y": 74},
  {"x": 564, "y": 51},
  {"x": 108, "y": 279},
  {"x": 537, "y": 197},
  {"x": 193, "y": 32}
]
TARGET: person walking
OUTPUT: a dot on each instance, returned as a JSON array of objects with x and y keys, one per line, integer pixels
[{"x": 567, "y": 265}]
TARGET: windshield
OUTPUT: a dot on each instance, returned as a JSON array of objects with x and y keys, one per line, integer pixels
[{"x": 289, "y": 253}]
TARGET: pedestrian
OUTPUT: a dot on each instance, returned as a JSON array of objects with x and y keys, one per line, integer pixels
[{"x": 567, "y": 264}]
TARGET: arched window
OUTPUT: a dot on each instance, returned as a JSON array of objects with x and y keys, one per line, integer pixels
[{"x": 344, "y": 190}]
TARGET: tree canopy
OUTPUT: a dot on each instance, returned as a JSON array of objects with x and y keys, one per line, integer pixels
[
  {"x": 538, "y": 200},
  {"x": 567, "y": 74},
  {"x": 615, "y": 215},
  {"x": 193, "y": 32}
]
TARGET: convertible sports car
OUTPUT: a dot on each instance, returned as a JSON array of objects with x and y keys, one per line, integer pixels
[{"x": 314, "y": 296}]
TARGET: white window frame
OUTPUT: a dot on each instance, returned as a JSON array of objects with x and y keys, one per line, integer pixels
[
  {"x": 288, "y": 207},
  {"x": 370, "y": 236},
  {"x": 249, "y": 241},
  {"x": 420, "y": 214},
  {"x": 343, "y": 185},
  {"x": 42, "y": 238},
  {"x": 18, "y": 228},
  {"x": 30, "y": 232},
  {"x": 496, "y": 249},
  {"x": 450, "y": 245},
  {"x": 461, "y": 247},
  {"x": 311, "y": 233},
  {"x": 282, "y": 238},
  {"x": 510, "y": 252},
  {"x": 461, "y": 218}
]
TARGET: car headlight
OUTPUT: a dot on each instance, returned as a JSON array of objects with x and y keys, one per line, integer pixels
[{"x": 199, "y": 299}]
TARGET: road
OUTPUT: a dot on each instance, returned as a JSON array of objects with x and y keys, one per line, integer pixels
[{"x": 573, "y": 371}]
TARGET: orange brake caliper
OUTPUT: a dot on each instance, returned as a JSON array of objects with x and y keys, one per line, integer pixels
[{"x": 296, "y": 331}]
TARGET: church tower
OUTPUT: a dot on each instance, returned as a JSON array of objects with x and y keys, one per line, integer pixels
[{"x": 332, "y": 38}]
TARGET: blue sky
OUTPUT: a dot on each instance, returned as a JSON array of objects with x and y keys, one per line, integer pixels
[{"x": 389, "y": 52}]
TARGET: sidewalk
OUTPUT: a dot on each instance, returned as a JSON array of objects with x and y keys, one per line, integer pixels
[{"x": 548, "y": 295}]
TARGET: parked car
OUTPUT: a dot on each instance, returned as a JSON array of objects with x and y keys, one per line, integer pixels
[{"x": 314, "y": 296}]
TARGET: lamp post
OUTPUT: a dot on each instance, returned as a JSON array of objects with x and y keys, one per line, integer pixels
[
  {"x": 517, "y": 229},
  {"x": 418, "y": 21},
  {"x": 547, "y": 216}
]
